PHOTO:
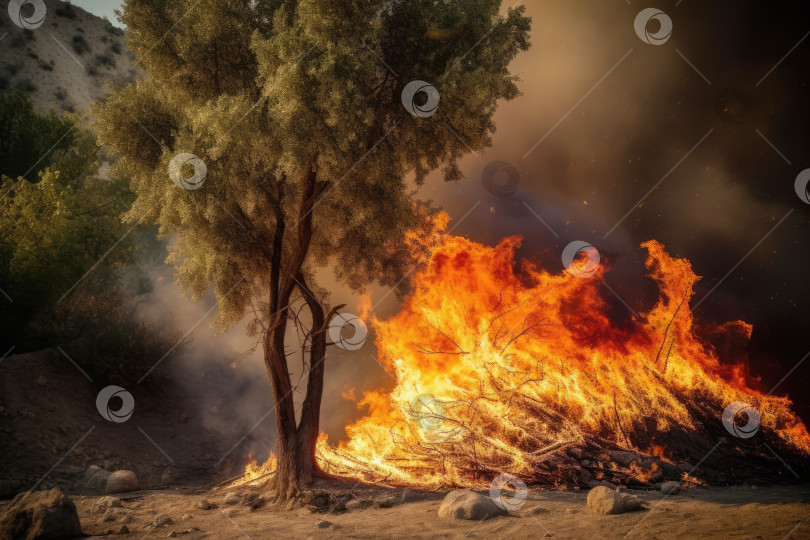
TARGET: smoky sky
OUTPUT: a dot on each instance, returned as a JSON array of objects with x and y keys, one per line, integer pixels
[
  {"x": 701, "y": 114},
  {"x": 603, "y": 118}
]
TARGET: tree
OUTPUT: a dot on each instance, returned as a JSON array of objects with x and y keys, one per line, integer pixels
[
  {"x": 295, "y": 109},
  {"x": 55, "y": 224}
]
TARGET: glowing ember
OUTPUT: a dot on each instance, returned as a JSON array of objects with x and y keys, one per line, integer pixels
[{"x": 496, "y": 371}]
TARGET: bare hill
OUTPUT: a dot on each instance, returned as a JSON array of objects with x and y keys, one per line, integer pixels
[{"x": 67, "y": 61}]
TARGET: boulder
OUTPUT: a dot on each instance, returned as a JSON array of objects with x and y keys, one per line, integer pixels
[
  {"x": 465, "y": 504},
  {"x": 671, "y": 488},
  {"x": 602, "y": 500},
  {"x": 121, "y": 481},
  {"x": 95, "y": 478},
  {"x": 40, "y": 514}
]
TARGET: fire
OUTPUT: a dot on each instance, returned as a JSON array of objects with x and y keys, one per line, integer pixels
[
  {"x": 254, "y": 473},
  {"x": 497, "y": 369}
]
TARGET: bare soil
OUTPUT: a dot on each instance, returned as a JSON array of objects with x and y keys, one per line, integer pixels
[{"x": 732, "y": 512}]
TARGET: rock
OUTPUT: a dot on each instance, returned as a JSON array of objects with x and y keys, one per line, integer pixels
[
  {"x": 5, "y": 488},
  {"x": 232, "y": 498},
  {"x": 95, "y": 478},
  {"x": 203, "y": 504},
  {"x": 104, "y": 503},
  {"x": 166, "y": 479},
  {"x": 465, "y": 504},
  {"x": 172, "y": 534},
  {"x": 254, "y": 501},
  {"x": 602, "y": 500},
  {"x": 111, "y": 515},
  {"x": 122, "y": 530},
  {"x": 40, "y": 514},
  {"x": 536, "y": 510},
  {"x": 186, "y": 517},
  {"x": 359, "y": 504},
  {"x": 623, "y": 458},
  {"x": 183, "y": 417},
  {"x": 161, "y": 520},
  {"x": 386, "y": 501},
  {"x": 121, "y": 481},
  {"x": 671, "y": 488},
  {"x": 42, "y": 381},
  {"x": 409, "y": 495},
  {"x": 323, "y": 524}
]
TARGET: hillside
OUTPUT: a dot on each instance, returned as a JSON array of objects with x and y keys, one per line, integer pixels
[{"x": 67, "y": 62}]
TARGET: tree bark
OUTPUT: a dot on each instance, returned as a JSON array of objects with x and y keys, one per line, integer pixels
[{"x": 295, "y": 466}]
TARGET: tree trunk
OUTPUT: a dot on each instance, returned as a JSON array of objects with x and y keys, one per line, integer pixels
[
  {"x": 309, "y": 425},
  {"x": 295, "y": 460}
]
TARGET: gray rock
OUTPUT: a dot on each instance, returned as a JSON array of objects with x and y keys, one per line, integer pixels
[
  {"x": 41, "y": 514},
  {"x": 671, "y": 488},
  {"x": 121, "y": 481},
  {"x": 465, "y": 504},
  {"x": 95, "y": 478},
  {"x": 602, "y": 500}
]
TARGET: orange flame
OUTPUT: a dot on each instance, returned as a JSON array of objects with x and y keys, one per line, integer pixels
[{"x": 495, "y": 369}]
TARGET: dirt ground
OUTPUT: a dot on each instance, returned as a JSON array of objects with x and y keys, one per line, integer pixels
[{"x": 732, "y": 512}]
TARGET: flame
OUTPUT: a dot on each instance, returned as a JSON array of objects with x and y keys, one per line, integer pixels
[
  {"x": 496, "y": 369},
  {"x": 254, "y": 473}
]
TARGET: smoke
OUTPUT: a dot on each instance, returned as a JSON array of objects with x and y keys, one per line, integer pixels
[{"x": 603, "y": 119}]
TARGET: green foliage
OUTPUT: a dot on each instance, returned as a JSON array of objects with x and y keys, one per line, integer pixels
[
  {"x": 54, "y": 231},
  {"x": 26, "y": 136},
  {"x": 261, "y": 90}
]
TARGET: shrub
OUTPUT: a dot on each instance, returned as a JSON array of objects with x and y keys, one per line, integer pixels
[
  {"x": 66, "y": 10},
  {"x": 80, "y": 45},
  {"x": 116, "y": 48},
  {"x": 105, "y": 60},
  {"x": 25, "y": 85},
  {"x": 45, "y": 65}
]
